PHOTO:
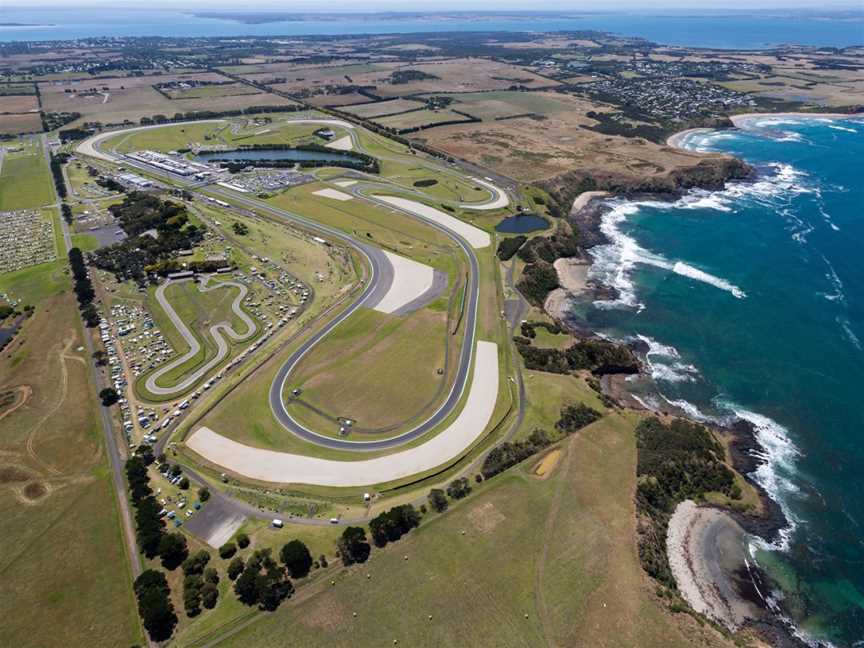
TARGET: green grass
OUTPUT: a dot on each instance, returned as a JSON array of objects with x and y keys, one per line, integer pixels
[
  {"x": 62, "y": 557},
  {"x": 520, "y": 562},
  {"x": 25, "y": 181},
  {"x": 32, "y": 285},
  {"x": 85, "y": 242},
  {"x": 359, "y": 371}
]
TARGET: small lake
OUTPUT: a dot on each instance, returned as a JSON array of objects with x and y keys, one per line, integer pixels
[
  {"x": 274, "y": 154},
  {"x": 522, "y": 224}
]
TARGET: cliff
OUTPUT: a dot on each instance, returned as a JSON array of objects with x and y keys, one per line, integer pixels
[{"x": 709, "y": 172}]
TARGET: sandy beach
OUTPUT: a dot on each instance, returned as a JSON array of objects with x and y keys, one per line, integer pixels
[
  {"x": 705, "y": 547},
  {"x": 741, "y": 120},
  {"x": 584, "y": 198},
  {"x": 573, "y": 278}
]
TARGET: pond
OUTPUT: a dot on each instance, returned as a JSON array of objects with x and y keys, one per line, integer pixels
[
  {"x": 274, "y": 154},
  {"x": 522, "y": 224}
]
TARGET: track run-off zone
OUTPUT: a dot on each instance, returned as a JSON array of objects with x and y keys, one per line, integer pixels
[{"x": 451, "y": 439}]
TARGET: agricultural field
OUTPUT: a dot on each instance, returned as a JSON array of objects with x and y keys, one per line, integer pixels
[
  {"x": 17, "y": 89},
  {"x": 211, "y": 91},
  {"x": 383, "y": 108},
  {"x": 506, "y": 103},
  {"x": 63, "y": 559},
  {"x": 18, "y": 103},
  {"x": 25, "y": 181},
  {"x": 111, "y": 100},
  {"x": 419, "y": 119},
  {"x": 15, "y": 124}
]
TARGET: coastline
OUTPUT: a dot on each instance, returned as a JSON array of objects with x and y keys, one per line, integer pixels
[{"x": 707, "y": 546}]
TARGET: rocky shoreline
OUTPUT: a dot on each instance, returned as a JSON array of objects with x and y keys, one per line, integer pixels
[{"x": 742, "y": 582}]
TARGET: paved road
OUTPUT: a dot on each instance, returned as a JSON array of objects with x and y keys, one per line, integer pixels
[
  {"x": 374, "y": 289},
  {"x": 114, "y": 456},
  {"x": 216, "y": 331}
]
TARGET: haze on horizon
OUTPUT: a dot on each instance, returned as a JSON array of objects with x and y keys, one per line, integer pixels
[{"x": 371, "y": 6}]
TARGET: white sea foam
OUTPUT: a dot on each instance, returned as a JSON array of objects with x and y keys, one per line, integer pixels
[
  {"x": 614, "y": 262},
  {"x": 779, "y": 456},
  {"x": 848, "y": 333},
  {"x": 665, "y": 363},
  {"x": 842, "y": 128},
  {"x": 686, "y": 270}
]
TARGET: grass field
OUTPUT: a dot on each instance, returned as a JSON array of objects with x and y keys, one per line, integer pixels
[
  {"x": 523, "y": 561},
  {"x": 377, "y": 369},
  {"x": 418, "y": 119},
  {"x": 14, "y": 124},
  {"x": 208, "y": 91},
  {"x": 63, "y": 563},
  {"x": 382, "y": 108},
  {"x": 25, "y": 181}
]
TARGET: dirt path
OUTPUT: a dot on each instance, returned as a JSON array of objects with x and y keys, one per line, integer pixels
[
  {"x": 22, "y": 395},
  {"x": 542, "y": 559}
]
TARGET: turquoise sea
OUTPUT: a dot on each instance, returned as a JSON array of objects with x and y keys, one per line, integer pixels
[{"x": 751, "y": 301}]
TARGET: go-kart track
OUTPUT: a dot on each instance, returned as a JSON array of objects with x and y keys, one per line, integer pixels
[
  {"x": 393, "y": 285},
  {"x": 215, "y": 331}
]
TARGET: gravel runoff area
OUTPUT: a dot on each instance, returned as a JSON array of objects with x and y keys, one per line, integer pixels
[
  {"x": 411, "y": 281},
  {"x": 344, "y": 143},
  {"x": 215, "y": 331},
  {"x": 282, "y": 467},
  {"x": 474, "y": 235},
  {"x": 499, "y": 200},
  {"x": 706, "y": 553},
  {"x": 333, "y": 194}
]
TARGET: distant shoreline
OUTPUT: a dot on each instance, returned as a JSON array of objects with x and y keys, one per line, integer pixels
[{"x": 740, "y": 121}]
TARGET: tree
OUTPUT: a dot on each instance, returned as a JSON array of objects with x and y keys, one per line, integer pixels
[
  {"x": 227, "y": 550},
  {"x": 109, "y": 396},
  {"x": 154, "y": 604},
  {"x": 211, "y": 576},
  {"x": 242, "y": 540},
  {"x": 459, "y": 488},
  {"x": 263, "y": 581},
  {"x": 391, "y": 525},
  {"x": 192, "y": 585},
  {"x": 184, "y": 483},
  {"x": 353, "y": 546},
  {"x": 235, "y": 568},
  {"x": 173, "y": 550},
  {"x": 203, "y": 494},
  {"x": 296, "y": 557},
  {"x": 196, "y": 564},
  {"x": 437, "y": 500},
  {"x": 209, "y": 595}
]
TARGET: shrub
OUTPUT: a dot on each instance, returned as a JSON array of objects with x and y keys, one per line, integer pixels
[
  {"x": 203, "y": 494},
  {"x": 459, "y": 488},
  {"x": 437, "y": 500},
  {"x": 242, "y": 540},
  {"x": 575, "y": 417}
]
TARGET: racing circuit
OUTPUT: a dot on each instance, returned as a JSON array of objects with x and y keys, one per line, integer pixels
[{"x": 392, "y": 286}]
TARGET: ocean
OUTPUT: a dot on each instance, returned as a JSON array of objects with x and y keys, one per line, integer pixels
[
  {"x": 751, "y": 301},
  {"x": 695, "y": 29}
]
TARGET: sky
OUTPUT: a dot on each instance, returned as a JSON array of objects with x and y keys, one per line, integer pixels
[{"x": 332, "y": 6}]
